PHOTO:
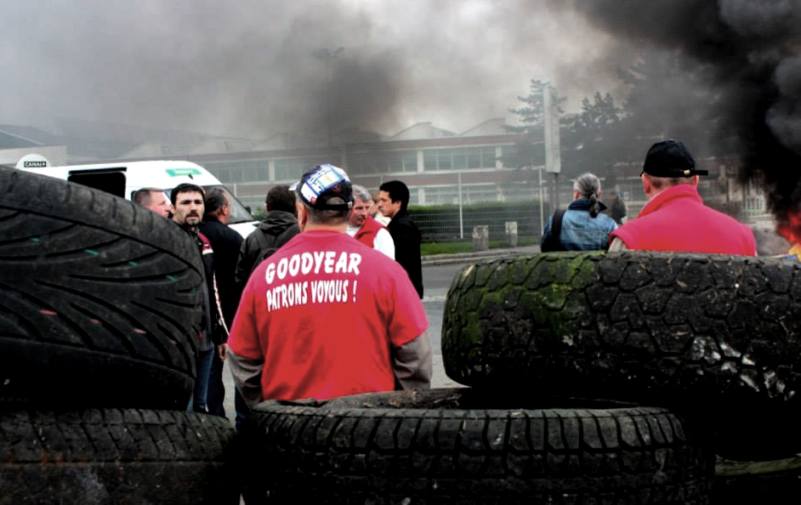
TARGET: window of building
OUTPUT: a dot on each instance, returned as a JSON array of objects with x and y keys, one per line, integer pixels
[
  {"x": 414, "y": 196},
  {"x": 440, "y": 195},
  {"x": 240, "y": 170},
  {"x": 410, "y": 161},
  {"x": 382, "y": 162},
  {"x": 465, "y": 158},
  {"x": 291, "y": 169},
  {"x": 480, "y": 193},
  {"x": 523, "y": 190}
]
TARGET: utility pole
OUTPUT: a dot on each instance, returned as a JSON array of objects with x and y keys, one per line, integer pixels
[
  {"x": 328, "y": 56},
  {"x": 461, "y": 215},
  {"x": 553, "y": 156}
]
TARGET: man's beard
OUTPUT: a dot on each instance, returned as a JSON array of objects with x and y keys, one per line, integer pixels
[{"x": 192, "y": 227}]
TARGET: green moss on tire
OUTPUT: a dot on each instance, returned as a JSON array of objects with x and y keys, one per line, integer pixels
[{"x": 606, "y": 325}]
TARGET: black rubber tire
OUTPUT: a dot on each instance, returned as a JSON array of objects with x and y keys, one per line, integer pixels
[
  {"x": 99, "y": 298},
  {"x": 713, "y": 335},
  {"x": 98, "y": 457},
  {"x": 448, "y": 446}
]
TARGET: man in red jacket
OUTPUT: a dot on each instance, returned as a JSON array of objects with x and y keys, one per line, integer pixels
[
  {"x": 675, "y": 217},
  {"x": 366, "y": 229}
]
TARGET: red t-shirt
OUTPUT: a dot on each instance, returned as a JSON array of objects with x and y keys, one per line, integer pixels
[
  {"x": 323, "y": 313},
  {"x": 677, "y": 220}
]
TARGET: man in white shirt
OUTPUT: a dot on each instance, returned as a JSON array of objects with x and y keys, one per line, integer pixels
[{"x": 364, "y": 228}]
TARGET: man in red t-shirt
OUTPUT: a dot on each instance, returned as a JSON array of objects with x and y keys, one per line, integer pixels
[
  {"x": 327, "y": 316},
  {"x": 675, "y": 217}
]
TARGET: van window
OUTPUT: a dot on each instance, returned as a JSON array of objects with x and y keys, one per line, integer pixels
[{"x": 111, "y": 180}]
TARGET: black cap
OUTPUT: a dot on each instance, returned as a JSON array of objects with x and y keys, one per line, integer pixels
[
  {"x": 326, "y": 187},
  {"x": 669, "y": 158}
]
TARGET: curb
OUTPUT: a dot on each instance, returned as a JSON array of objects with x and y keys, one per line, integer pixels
[{"x": 449, "y": 259}]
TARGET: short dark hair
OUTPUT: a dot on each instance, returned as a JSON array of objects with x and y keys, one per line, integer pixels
[
  {"x": 665, "y": 182},
  {"x": 326, "y": 216},
  {"x": 142, "y": 196},
  {"x": 185, "y": 187},
  {"x": 214, "y": 201},
  {"x": 281, "y": 198},
  {"x": 398, "y": 192}
]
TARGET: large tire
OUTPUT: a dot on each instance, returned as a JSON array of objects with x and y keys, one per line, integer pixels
[
  {"x": 99, "y": 298},
  {"x": 450, "y": 446},
  {"x": 713, "y": 335},
  {"x": 99, "y": 457}
]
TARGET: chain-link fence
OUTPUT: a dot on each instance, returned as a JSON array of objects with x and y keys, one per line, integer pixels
[{"x": 444, "y": 223}]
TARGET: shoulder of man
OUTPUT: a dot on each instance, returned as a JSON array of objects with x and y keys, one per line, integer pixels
[
  {"x": 403, "y": 225},
  {"x": 214, "y": 231},
  {"x": 277, "y": 226},
  {"x": 370, "y": 223},
  {"x": 269, "y": 243},
  {"x": 233, "y": 237},
  {"x": 227, "y": 233}
]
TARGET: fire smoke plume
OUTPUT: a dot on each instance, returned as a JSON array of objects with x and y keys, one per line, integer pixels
[{"x": 752, "y": 51}]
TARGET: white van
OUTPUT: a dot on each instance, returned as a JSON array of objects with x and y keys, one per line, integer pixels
[{"x": 124, "y": 178}]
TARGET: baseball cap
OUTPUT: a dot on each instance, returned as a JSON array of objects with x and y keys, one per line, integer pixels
[
  {"x": 670, "y": 158},
  {"x": 326, "y": 187}
]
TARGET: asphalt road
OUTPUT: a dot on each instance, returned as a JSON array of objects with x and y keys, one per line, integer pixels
[{"x": 436, "y": 281}]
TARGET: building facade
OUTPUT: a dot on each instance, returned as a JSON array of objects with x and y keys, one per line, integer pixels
[{"x": 438, "y": 166}]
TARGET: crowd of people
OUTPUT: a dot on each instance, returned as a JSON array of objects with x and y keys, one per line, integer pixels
[
  {"x": 324, "y": 295},
  {"x": 323, "y": 298}
]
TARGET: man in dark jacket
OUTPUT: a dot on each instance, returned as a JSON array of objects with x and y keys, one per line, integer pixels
[
  {"x": 393, "y": 200},
  {"x": 280, "y": 225},
  {"x": 188, "y": 204},
  {"x": 225, "y": 242}
]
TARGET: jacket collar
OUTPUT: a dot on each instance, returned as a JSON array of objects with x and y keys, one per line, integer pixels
[
  {"x": 584, "y": 204},
  {"x": 278, "y": 218},
  {"x": 669, "y": 195}
]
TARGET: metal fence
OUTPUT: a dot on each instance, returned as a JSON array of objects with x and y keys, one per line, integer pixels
[{"x": 444, "y": 223}]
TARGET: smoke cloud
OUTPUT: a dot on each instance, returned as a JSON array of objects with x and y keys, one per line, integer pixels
[
  {"x": 746, "y": 53},
  {"x": 725, "y": 75},
  {"x": 258, "y": 67}
]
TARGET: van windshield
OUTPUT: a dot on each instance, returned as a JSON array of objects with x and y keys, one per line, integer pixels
[{"x": 239, "y": 214}]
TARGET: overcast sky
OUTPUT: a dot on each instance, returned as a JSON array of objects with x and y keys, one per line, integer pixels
[{"x": 256, "y": 67}]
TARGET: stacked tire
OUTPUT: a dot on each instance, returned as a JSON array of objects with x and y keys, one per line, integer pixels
[
  {"x": 712, "y": 338},
  {"x": 99, "y": 303},
  {"x": 593, "y": 378},
  {"x": 459, "y": 446}
]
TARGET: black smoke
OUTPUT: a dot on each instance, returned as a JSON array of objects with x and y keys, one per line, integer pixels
[
  {"x": 749, "y": 52},
  {"x": 251, "y": 69},
  {"x": 256, "y": 68}
]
